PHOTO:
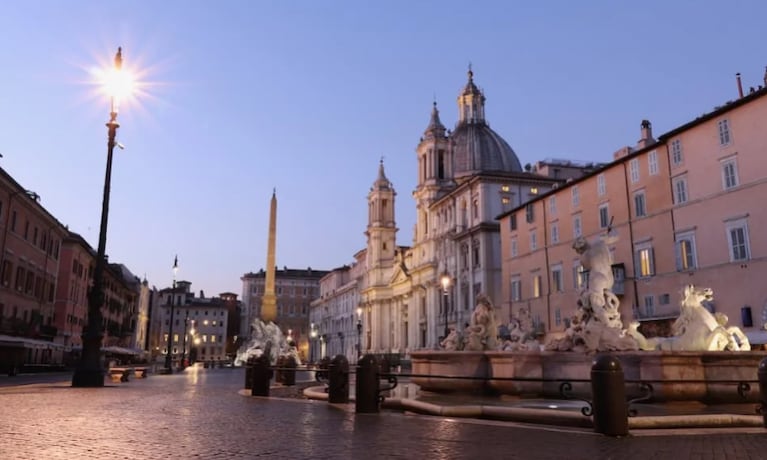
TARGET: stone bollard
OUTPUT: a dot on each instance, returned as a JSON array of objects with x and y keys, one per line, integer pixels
[
  {"x": 367, "y": 391},
  {"x": 762, "y": 374},
  {"x": 609, "y": 392},
  {"x": 262, "y": 376},
  {"x": 279, "y": 364},
  {"x": 249, "y": 373},
  {"x": 289, "y": 374},
  {"x": 338, "y": 384}
]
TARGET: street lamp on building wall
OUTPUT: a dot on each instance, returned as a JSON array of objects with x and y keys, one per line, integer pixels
[
  {"x": 169, "y": 350},
  {"x": 89, "y": 372},
  {"x": 445, "y": 280},
  {"x": 359, "y": 332}
]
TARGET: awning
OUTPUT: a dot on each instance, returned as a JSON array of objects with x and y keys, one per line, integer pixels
[
  {"x": 15, "y": 341},
  {"x": 122, "y": 351}
]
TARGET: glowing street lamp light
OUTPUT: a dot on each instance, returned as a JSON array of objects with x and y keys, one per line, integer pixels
[{"x": 89, "y": 371}]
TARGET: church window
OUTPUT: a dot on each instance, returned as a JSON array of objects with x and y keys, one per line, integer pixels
[{"x": 440, "y": 164}]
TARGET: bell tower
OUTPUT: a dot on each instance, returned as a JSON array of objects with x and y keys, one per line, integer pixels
[{"x": 381, "y": 229}]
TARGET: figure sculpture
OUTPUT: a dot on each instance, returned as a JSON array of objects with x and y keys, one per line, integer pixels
[
  {"x": 452, "y": 342},
  {"x": 521, "y": 336},
  {"x": 596, "y": 325},
  {"x": 696, "y": 329},
  {"x": 481, "y": 334}
]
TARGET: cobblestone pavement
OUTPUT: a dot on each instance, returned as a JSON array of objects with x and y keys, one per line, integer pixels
[{"x": 203, "y": 414}]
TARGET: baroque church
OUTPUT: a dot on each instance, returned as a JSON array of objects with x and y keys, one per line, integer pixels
[{"x": 410, "y": 296}]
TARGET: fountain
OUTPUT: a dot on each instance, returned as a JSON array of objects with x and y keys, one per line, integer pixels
[{"x": 703, "y": 360}]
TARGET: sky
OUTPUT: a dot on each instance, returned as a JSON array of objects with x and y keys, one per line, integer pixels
[{"x": 238, "y": 98}]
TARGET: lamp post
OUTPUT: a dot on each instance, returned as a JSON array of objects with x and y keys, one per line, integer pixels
[
  {"x": 445, "y": 280},
  {"x": 313, "y": 335},
  {"x": 168, "y": 352},
  {"x": 182, "y": 362},
  {"x": 90, "y": 372},
  {"x": 359, "y": 332}
]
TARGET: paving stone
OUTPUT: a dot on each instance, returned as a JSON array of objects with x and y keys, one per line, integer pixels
[{"x": 203, "y": 414}]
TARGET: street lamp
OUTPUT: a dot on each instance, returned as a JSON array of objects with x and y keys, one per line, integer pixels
[
  {"x": 182, "y": 363},
  {"x": 168, "y": 354},
  {"x": 89, "y": 372},
  {"x": 445, "y": 280},
  {"x": 313, "y": 335},
  {"x": 359, "y": 332}
]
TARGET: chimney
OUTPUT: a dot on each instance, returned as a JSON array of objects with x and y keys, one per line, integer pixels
[
  {"x": 740, "y": 85},
  {"x": 646, "y": 138}
]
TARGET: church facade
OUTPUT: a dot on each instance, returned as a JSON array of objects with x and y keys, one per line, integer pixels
[{"x": 410, "y": 296}]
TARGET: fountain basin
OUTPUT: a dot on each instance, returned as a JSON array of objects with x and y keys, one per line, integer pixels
[{"x": 709, "y": 377}]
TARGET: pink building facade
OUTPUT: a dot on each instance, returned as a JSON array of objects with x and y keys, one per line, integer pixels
[
  {"x": 30, "y": 243},
  {"x": 686, "y": 209}
]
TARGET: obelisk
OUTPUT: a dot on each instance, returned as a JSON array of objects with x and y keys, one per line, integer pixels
[{"x": 269, "y": 300}]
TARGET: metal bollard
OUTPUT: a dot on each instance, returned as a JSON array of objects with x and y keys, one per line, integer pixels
[
  {"x": 367, "y": 391},
  {"x": 338, "y": 384},
  {"x": 289, "y": 374},
  {"x": 609, "y": 392},
  {"x": 762, "y": 375},
  {"x": 262, "y": 376}
]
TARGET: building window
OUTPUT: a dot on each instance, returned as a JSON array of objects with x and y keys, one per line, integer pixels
[
  {"x": 475, "y": 253},
  {"x": 737, "y": 237},
  {"x": 639, "y": 205},
  {"x": 505, "y": 200},
  {"x": 577, "y": 226},
  {"x": 575, "y": 196},
  {"x": 516, "y": 289},
  {"x": 729, "y": 173},
  {"x": 649, "y": 305},
  {"x": 533, "y": 190},
  {"x": 601, "y": 186},
  {"x": 554, "y": 233},
  {"x": 652, "y": 162},
  {"x": 604, "y": 216},
  {"x": 529, "y": 215},
  {"x": 645, "y": 261},
  {"x": 680, "y": 189},
  {"x": 676, "y": 152},
  {"x": 536, "y": 286},
  {"x": 724, "y": 132},
  {"x": 634, "y": 170},
  {"x": 514, "y": 247},
  {"x": 513, "y": 222},
  {"x": 557, "y": 317},
  {"x": 556, "y": 278},
  {"x": 553, "y": 205},
  {"x": 685, "y": 251},
  {"x": 505, "y": 188},
  {"x": 533, "y": 241}
]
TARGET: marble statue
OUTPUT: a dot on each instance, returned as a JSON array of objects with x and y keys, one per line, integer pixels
[
  {"x": 596, "y": 325},
  {"x": 696, "y": 329},
  {"x": 453, "y": 341},
  {"x": 521, "y": 336},
  {"x": 482, "y": 332},
  {"x": 263, "y": 333}
]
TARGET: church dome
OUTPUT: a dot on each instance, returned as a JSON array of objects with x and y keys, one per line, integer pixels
[{"x": 478, "y": 149}]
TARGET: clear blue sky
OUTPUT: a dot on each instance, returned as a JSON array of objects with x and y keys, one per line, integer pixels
[{"x": 306, "y": 96}]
